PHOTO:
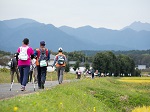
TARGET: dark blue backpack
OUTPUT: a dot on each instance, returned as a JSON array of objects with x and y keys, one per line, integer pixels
[{"x": 42, "y": 55}]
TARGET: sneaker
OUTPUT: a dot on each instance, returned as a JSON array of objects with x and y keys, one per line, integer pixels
[
  {"x": 42, "y": 86},
  {"x": 23, "y": 88}
]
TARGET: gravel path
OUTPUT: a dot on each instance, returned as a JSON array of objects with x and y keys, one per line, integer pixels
[{"x": 15, "y": 91}]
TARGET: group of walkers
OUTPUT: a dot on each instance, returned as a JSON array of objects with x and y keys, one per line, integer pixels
[{"x": 29, "y": 62}]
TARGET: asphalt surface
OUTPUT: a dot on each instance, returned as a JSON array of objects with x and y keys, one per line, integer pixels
[{"x": 5, "y": 92}]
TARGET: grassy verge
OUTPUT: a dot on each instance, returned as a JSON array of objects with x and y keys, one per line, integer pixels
[
  {"x": 86, "y": 95},
  {"x": 51, "y": 76}
]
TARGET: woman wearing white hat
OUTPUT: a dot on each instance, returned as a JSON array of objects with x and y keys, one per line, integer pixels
[{"x": 60, "y": 62}]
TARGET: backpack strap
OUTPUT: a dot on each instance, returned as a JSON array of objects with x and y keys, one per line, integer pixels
[
  {"x": 59, "y": 55},
  {"x": 24, "y": 47},
  {"x": 39, "y": 51},
  {"x": 46, "y": 52}
]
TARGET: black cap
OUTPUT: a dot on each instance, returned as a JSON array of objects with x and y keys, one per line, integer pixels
[
  {"x": 42, "y": 43},
  {"x": 26, "y": 41}
]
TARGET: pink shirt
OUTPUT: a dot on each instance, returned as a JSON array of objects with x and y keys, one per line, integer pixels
[{"x": 29, "y": 52}]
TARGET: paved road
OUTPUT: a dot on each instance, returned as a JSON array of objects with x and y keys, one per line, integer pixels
[{"x": 6, "y": 93}]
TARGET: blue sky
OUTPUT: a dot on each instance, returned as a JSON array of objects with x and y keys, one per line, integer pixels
[{"x": 113, "y": 14}]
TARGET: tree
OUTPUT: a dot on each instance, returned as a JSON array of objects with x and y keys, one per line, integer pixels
[
  {"x": 137, "y": 72},
  {"x": 76, "y": 65},
  {"x": 110, "y": 60},
  {"x": 67, "y": 68},
  {"x": 126, "y": 64},
  {"x": 107, "y": 62},
  {"x": 87, "y": 65},
  {"x": 76, "y": 55},
  {"x": 99, "y": 62}
]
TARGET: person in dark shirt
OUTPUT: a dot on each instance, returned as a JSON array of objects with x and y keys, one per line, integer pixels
[{"x": 14, "y": 69}]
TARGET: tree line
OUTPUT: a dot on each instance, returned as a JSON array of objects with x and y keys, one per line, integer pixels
[
  {"x": 106, "y": 61},
  {"x": 117, "y": 65},
  {"x": 140, "y": 57},
  {"x": 3, "y": 53}
]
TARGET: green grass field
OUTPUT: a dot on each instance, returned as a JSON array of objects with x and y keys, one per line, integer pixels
[
  {"x": 105, "y": 94},
  {"x": 51, "y": 76}
]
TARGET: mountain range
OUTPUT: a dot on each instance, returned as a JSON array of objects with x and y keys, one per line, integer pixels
[{"x": 133, "y": 37}]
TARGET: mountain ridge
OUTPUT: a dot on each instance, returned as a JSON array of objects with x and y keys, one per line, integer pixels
[
  {"x": 138, "y": 26},
  {"x": 71, "y": 39}
]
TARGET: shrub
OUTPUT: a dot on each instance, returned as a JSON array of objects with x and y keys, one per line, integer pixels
[{"x": 4, "y": 70}]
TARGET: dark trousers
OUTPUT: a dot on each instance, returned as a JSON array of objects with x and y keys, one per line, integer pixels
[
  {"x": 41, "y": 75},
  {"x": 92, "y": 75},
  {"x": 78, "y": 76},
  {"x": 24, "y": 72}
]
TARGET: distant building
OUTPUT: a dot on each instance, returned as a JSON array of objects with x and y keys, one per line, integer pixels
[
  {"x": 141, "y": 67},
  {"x": 72, "y": 62}
]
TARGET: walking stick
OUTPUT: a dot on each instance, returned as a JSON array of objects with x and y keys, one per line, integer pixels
[
  {"x": 33, "y": 79},
  {"x": 50, "y": 73},
  {"x": 12, "y": 82}
]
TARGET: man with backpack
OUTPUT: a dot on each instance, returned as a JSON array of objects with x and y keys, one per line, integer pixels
[
  {"x": 14, "y": 68},
  {"x": 60, "y": 61},
  {"x": 42, "y": 55}
]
